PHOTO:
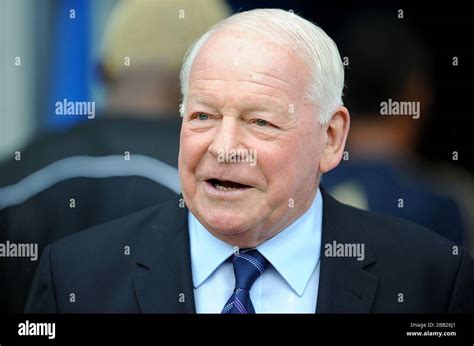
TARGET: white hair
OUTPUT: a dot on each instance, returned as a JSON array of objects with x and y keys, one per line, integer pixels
[{"x": 308, "y": 40}]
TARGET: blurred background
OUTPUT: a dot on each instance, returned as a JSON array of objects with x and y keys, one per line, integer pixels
[{"x": 116, "y": 63}]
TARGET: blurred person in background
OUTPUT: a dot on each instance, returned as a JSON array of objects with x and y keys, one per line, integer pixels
[
  {"x": 387, "y": 65},
  {"x": 119, "y": 162}
]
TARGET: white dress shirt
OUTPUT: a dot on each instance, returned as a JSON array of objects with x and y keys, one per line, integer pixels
[{"x": 289, "y": 285}]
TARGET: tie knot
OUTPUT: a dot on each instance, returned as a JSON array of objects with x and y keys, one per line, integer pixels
[{"x": 248, "y": 266}]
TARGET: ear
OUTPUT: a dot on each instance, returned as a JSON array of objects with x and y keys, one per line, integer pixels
[{"x": 336, "y": 134}]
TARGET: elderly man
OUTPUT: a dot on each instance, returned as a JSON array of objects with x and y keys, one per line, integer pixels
[{"x": 253, "y": 231}]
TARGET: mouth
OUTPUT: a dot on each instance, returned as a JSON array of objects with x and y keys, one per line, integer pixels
[{"x": 226, "y": 185}]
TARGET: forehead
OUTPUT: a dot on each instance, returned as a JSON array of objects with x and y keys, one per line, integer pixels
[{"x": 250, "y": 59}]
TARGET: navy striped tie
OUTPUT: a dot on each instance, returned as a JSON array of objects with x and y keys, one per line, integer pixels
[{"x": 248, "y": 266}]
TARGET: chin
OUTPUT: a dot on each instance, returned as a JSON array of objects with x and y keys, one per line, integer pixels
[{"x": 226, "y": 221}]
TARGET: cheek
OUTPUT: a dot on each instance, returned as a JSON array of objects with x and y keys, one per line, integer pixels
[
  {"x": 277, "y": 163},
  {"x": 192, "y": 148},
  {"x": 310, "y": 142},
  {"x": 291, "y": 163}
]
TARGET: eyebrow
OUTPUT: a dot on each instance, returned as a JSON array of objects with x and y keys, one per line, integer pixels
[{"x": 203, "y": 100}]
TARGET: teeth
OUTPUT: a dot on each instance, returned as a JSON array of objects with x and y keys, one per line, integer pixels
[{"x": 223, "y": 188}]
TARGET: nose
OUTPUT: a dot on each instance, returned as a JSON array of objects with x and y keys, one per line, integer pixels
[{"x": 228, "y": 135}]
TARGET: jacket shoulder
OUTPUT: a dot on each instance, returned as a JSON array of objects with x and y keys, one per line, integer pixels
[
  {"x": 109, "y": 240},
  {"x": 433, "y": 273}
]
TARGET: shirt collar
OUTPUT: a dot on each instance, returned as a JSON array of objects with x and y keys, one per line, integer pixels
[
  {"x": 294, "y": 252},
  {"x": 207, "y": 251}
]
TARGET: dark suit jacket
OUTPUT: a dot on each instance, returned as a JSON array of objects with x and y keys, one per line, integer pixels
[{"x": 406, "y": 269}]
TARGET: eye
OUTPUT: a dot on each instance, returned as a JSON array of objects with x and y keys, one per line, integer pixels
[
  {"x": 202, "y": 116},
  {"x": 261, "y": 122}
]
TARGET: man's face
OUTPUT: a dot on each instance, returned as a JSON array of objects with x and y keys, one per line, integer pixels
[{"x": 250, "y": 141}]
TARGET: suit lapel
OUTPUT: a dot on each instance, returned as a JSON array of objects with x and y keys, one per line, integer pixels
[
  {"x": 163, "y": 277},
  {"x": 345, "y": 286}
]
